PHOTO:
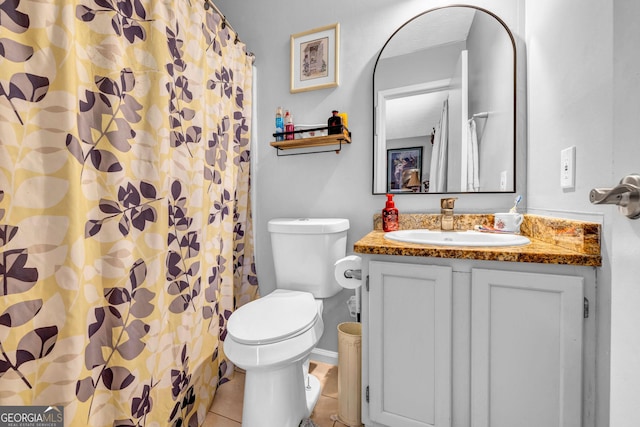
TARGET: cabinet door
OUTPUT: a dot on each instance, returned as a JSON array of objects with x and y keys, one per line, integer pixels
[
  {"x": 526, "y": 349},
  {"x": 410, "y": 345}
]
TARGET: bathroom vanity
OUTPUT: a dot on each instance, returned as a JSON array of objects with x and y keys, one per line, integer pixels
[{"x": 480, "y": 336}]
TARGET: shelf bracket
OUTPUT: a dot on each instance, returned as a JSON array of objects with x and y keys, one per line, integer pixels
[{"x": 336, "y": 150}]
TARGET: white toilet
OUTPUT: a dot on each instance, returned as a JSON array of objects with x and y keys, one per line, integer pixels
[{"x": 272, "y": 337}]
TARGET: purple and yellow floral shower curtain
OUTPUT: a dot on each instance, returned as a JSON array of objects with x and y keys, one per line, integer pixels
[{"x": 125, "y": 227}]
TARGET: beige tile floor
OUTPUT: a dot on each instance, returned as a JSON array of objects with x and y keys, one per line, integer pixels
[{"x": 226, "y": 410}]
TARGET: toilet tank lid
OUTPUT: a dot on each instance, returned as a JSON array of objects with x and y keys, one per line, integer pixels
[{"x": 308, "y": 225}]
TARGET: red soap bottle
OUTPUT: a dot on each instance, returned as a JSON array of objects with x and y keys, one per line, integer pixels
[
  {"x": 390, "y": 220},
  {"x": 288, "y": 126}
]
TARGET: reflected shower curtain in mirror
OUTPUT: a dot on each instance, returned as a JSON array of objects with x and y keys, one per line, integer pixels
[
  {"x": 473, "y": 182},
  {"x": 438, "y": 168},
  {"x": 125, "y": 224}
]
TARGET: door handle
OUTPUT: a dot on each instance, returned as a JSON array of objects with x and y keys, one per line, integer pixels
[{"x": 626, "y": 195}]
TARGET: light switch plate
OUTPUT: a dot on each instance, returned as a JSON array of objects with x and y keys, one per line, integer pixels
[
  {"x": 568, "y": 167},
  {"x": 503, "y": 181}
]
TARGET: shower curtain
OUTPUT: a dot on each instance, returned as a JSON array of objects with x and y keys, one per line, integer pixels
[
  {"x": 438, "y": 167},
  {"x": 473, "y": 182},
  {"x": 125, "y": 222}
]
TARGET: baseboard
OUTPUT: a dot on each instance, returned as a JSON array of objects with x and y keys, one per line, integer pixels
[{"x": 324, "y": 356}]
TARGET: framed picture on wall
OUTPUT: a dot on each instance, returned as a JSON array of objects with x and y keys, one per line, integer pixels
[
  {"x": 404, "y": 169},
  {"x": 315, "y": 58}
]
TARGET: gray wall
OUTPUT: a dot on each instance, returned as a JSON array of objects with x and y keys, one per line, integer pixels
[
  {"x": 582, "y": 88},
  {"x": 570, "y": 86},
  {"x": 328, "y": 184},
  {"x": 423, "y": 66},
  {"x": 488, "y": 92}
]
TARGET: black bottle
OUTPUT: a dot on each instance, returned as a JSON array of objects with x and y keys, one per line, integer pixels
[{"x": 335, "y": 123}]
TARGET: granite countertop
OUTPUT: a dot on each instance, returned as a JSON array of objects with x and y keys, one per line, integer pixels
[{"x": 553, "y": 241}]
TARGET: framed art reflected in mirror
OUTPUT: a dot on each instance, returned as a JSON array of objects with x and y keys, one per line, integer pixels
[{"x": 404, "y": 170}]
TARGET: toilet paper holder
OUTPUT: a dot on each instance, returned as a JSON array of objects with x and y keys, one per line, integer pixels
[{"x": 353, "y": 274}]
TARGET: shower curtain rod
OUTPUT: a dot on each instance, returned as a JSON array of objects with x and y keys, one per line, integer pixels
[
  {"x": 482, "y": 115},
  {"x": 207, "y": 5}
]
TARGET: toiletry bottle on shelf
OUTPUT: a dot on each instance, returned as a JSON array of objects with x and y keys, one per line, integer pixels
[
  {"x": 334, "y": 123},
  {"x": 345, "y": 119},
  {"x": 390, "y": 219},
  {"x": 279, "y": 124},
  {"x": 288, "y": 125}
]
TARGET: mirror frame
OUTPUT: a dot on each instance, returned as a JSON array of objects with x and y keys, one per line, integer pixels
[{"x": 376, "y": 108}]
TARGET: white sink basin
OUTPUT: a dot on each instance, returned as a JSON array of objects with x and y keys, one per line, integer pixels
[{"x": 456, "y": 238}]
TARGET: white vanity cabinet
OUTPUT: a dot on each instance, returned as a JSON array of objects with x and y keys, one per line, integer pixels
[
  {"x": 526, "y": 349},
  {"x": 467, "y": 343},
  {"x": 409, "y": 344}
]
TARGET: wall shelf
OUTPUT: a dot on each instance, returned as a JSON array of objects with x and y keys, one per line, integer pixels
[{"x": 335, "y": 140}]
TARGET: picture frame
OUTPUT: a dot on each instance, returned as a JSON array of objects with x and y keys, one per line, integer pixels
[
  {"x": 399, "y": 162},
  {"x": 315, "y": 58}
]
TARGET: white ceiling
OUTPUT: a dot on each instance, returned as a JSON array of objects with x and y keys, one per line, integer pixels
[
  {"x": 436, "y": 28},
  {"x": 414, "y": 115}
]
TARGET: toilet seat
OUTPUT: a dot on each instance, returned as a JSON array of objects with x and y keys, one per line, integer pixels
[{"x": 276, "y": 317}]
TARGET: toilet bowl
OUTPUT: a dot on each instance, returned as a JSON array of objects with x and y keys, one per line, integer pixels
[{"x": 271, "y": 339}]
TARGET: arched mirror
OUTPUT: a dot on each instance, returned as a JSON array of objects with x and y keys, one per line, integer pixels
[{"x": 444, "y": 89}]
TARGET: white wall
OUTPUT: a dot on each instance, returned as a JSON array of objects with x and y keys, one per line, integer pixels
[
  {"x": 489, "y": 51},
  {"x": 570, "y": 84},
  {"x": 329, "y": 184},
  {"x": 570, "y": 97},
  {"x": 583, "y": 89},
  {"x": 423, "y": 66},
  {"x": 625, "y": 250}
]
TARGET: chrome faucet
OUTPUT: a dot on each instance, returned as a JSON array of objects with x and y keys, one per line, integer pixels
[{"x": 446, "y": 211}]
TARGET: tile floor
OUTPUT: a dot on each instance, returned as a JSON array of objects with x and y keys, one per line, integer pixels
[{"x": 226, "y": 410}]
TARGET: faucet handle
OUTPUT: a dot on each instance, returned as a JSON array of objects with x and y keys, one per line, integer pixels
[{"x": 447, "y": 203}]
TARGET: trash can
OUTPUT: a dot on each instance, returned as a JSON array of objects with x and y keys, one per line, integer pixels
[{"x": 350, "y": 373}]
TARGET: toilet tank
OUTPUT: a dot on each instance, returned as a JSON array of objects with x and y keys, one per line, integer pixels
[{"x": 304, "y": 251}]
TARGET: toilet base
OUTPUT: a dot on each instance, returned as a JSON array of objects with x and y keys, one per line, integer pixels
[
  {"x": 278, "y": 397},
  {"x": 312, "y": 391}
]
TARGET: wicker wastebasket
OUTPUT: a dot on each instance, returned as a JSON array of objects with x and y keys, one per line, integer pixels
[{"x": 349, "y": 373}]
